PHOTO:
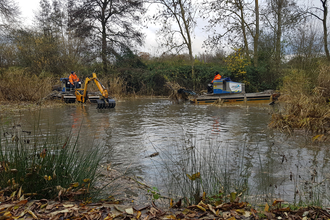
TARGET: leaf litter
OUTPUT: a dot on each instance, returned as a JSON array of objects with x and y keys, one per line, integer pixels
[
  {"x": 18, "y": 206},
  {"x": 53, "y": 210}
]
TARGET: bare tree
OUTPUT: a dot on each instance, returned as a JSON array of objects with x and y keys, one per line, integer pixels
[
  {"x": 230, "y": 16},
  {"x": 324, "y": 11},
  {"x": 256, "y": 34},
  {"x": 279, "y": 16},
  {"x": 8, "y": 11},
  {"x": 306, "y": 44},
  {"x": 109, "y": 24},
  {"x": 178, "y": 21}
]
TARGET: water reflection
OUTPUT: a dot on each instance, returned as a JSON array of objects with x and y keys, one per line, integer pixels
[{"x": 234, "y": 139}]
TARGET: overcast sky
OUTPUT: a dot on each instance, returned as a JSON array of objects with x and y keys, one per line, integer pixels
[{"x": 28, "y": 7}]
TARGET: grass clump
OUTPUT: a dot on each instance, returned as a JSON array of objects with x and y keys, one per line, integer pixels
[
  {"x": 305, "y": 100},
  {"x": 49, "y": 168}
]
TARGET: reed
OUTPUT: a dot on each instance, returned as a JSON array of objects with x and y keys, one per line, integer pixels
[
  {"x": 117, "y": 86},
  {"x": 191, "y": 170},
  {"x": 46, "y": 167},
  {"x": 16, "y": 85}
]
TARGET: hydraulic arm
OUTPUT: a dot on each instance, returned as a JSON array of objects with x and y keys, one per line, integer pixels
[{"x": 103, "y": 102}]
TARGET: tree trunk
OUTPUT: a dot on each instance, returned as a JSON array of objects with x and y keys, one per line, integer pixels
[
  {"x": 104, "y": 39},
  {"x": 189, "y": 44},
  {"x": 256, "y": 37},
  {"x": 325, "y": 30},
  {"x": 104, "y": 50},
  {"x": 246, "y": 45},
  {"x": 278, "y": 35}
]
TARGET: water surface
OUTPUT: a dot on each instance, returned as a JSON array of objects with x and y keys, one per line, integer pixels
[{"x": 279, "y": 165}]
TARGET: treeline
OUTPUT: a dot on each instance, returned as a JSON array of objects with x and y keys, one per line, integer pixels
[{"x": 267, "y": 41}]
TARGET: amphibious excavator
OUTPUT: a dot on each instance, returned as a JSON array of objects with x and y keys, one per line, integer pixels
[{"x": 81, "y": 94}]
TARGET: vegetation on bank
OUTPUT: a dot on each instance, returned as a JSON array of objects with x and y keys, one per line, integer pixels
[
  {"x": 136, "y": 75},
  {"x": 304, "y": 99}
]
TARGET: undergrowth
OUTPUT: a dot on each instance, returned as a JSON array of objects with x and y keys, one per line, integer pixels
[{"x": 305, "y": 99}]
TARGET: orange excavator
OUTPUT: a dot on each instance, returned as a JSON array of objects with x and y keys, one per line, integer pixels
[{"x": 104, "y": 100}]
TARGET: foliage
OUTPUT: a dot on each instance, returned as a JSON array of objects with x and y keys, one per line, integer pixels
[
  {"x": 48, "y": 168},
  {"x": 43, "y": 55},
  {"x": 236, "y": 64},
  {"x": 128, "y": 59},
  {"x": 155, "y": 193}
]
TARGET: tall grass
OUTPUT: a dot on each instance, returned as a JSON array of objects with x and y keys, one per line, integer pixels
[
  {"x": 16, "y": 85},
  {"x": 305, "y": 102},
  {"x": 117, "y": 86},
  {"x": 224, "y": 172},
  {"x": 46, "y": 167},
  {"x": 190, "y": 169}
]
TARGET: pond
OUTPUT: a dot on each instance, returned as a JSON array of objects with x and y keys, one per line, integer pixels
[{"x": 230, "y": 146}]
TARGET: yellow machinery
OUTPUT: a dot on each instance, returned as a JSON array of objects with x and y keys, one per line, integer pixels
[{"x": 103, "y": 102}]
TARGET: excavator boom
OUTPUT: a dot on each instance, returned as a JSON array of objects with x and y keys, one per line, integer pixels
[{"x": 103, "y": 102}]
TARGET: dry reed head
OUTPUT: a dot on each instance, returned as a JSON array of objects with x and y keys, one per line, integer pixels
[
  {"x": 323, "y": 87},
  {"x": 117, "y": 86},
  {"x": 16, "y": 85}
]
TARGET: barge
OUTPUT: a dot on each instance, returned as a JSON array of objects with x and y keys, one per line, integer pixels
[{"x": 227, "y": 91}]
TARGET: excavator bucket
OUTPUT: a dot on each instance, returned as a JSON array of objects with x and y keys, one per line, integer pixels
[
  {"x": 112, "y": 103},
  {"x": 105, "y": 103}
]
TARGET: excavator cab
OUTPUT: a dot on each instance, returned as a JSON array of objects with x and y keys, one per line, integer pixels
[
  {"x": 104, "y": 100},
  {"x": 66, "y": 86}
]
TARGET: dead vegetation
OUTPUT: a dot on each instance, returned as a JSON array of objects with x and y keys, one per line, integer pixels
[
  {"x": 305, "y": 102},
  {"x": 16, "y": 85},
  {"x": 12, "y": 208},
  {"x": 176, "y": 94},
  {"x": 116, "y": 86}
]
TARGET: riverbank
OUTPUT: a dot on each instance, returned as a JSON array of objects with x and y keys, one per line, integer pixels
[{"x": 12, "y": 208}]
